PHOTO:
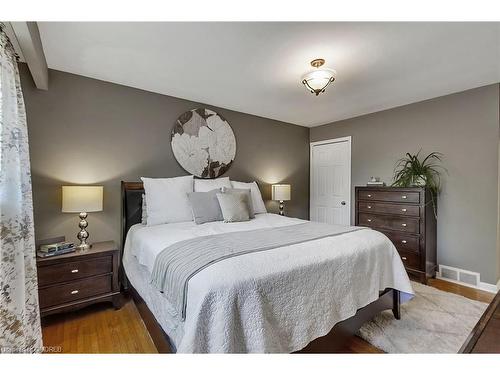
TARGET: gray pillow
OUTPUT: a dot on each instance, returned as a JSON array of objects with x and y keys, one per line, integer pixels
[
  {"x": 247, "y": 192},
  {"x": 205, "y": 206},
  {"x": 234, "y": 207}
]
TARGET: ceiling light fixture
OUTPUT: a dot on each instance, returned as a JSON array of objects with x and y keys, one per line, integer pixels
[{"x": 317, "y": 80}]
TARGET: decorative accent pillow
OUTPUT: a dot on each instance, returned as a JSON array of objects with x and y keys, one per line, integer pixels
[
  {"x": 167, "y": 200},
  {"x": 205, "y": 206},
  {"x": 258, "y": 203},
  {"x": 144, "y": 217},
  {"x": 208, "y": 185},
  {"x": 242, "y": 191},
  {"x": 234, "y": 207}
]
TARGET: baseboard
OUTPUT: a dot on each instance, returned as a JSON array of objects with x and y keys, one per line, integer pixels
[
  {"x": 492, "y": 288},
  {"x": 489, "y": 287}
]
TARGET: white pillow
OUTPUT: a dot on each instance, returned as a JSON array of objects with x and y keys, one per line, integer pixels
[
  {"x": 258, "y": 203},
  {"x": 167, "y": 200},
  {"x": 144, "y": 217},
  {"x": 202, "y": 185}
]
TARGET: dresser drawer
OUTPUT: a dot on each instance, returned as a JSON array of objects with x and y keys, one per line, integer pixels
[
  {"x": 68, "y": 271},
  {"x": 410, "y": 259},
  {"x": 404, "y": 241},
  {"x": 80, "y": 289},
  {"x": 404, "y": 224},
  {"x": 389, "y": 196},
  {"x": 389, "y": 208}
]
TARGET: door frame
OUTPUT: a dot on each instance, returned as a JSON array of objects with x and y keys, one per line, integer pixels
[{"x": 347, "y": 139}]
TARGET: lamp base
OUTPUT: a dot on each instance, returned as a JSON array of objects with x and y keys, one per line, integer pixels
[
  {"x": 83, "y": 247},
  {"x": 83, "y": 235},
  {"x": 282, "y": 207}
]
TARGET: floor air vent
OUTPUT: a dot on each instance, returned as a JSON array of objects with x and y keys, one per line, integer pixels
[{"x": 458, "y": 275}]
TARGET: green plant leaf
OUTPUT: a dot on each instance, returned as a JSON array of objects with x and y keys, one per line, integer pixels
[{"x": 410, "y": 169}]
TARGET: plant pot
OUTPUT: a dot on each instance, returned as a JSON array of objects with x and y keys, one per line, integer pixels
[{"x": 419, "y": 181}]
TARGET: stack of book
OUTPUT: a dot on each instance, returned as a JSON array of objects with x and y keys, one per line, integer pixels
[
  {"x": 57, "y": 248},
  {"x": 375, "y": 181}
]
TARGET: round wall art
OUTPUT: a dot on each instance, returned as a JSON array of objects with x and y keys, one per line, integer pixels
[{"x": 203, "y": 143}]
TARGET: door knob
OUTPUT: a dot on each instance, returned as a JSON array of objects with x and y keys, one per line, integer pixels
[{"x": 342, "y": 203}]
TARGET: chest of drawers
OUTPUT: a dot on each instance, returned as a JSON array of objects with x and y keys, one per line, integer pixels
[
  {"x": 71, "y": 281},
  {"x": 406, "y": 217}
]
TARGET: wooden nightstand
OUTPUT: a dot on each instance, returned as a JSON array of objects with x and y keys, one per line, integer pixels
[{"x": 75, "y": 280}]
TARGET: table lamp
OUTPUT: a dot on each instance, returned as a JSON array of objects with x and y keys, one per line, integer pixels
[
  {"x": 281, "y": 193},
  {"x": 82, "y": 199}
]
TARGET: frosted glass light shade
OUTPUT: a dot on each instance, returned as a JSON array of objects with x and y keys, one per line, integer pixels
[
  {"x": 281, "y": 192},
  {"x": 317, "y": 80},
  {"x": 82, "y": 198}
]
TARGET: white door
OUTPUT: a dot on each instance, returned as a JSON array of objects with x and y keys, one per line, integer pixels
[{"x": 331, "y": 181}]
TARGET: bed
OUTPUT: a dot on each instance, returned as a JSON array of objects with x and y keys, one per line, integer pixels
[{"x": 305, "y": 297}]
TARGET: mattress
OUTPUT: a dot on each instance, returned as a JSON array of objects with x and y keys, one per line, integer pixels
[{"x": 272, "y": 301}]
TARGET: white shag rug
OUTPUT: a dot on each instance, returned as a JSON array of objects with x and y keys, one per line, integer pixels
[{"x": 432, "y": 322}]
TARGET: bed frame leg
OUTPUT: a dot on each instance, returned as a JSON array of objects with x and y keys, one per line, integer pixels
[{"x": 396, "y": 304}]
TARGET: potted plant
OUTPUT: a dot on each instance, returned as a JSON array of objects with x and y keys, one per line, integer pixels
[{"x": 410, "y": 171}]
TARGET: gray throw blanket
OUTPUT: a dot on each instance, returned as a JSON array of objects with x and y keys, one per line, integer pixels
[{"x": 178, "y": 263}]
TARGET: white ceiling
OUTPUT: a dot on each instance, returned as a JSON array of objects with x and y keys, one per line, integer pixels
[{"x": 256, "y": 67}]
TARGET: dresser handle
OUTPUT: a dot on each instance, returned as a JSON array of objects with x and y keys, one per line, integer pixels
[
  {"x": 369, "y": 206},
  {"x": 403, "y": 209},
  {"x": 404, "y": 224},
  {"x": 74, "y": 292},
  {"x": 369, "y": 220},
  {"x": 369, "y": 195},
  {"x": 403, "y": 196},
  {"x": 404, "y": 258},
  {"x": 74, "y": 271},
  {"x": 404, "y": 241}
]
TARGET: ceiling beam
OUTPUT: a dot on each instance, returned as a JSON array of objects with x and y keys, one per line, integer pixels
[{"x": 28, "y": 39}]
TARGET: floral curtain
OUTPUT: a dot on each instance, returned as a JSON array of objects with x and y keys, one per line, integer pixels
[{"x": 20, "y": 330}]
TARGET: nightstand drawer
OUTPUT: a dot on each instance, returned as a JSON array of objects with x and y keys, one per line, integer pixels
[
  {"x": 76, "y": 290},
  {"x": 69, "y": 271}
]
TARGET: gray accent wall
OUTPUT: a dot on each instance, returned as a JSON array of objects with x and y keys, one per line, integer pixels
[
  {"x": 465, "y": 128},
  {"x": 86, "y": 131}
]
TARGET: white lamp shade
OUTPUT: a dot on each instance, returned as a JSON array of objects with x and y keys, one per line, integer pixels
[
  {"x": 81, "y": 198},
  {"x": 281, "y": 192}
]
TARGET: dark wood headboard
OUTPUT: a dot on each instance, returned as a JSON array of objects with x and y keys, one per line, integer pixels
[
  {"x": 131, "y": 214},
  {"x": 131, "y": 207}
]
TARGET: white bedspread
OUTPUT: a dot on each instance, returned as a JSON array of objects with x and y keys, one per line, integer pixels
[{"x": 271, "y": 301}]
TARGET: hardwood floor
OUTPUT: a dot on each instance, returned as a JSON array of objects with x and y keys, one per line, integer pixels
[
  {"x": 102, "y": 329},
  {"x": 465, "y": 291},
  {"x": 98, "y": 329}
]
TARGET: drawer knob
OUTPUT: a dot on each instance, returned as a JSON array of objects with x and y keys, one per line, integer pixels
[
  {"x": 404, "y": 224},
  {"x": 403, "y": 209},
  {"x": 74, "y": 271},
  {"x": 369, "y": 195},
  {"x": 403, "y": 196},
  {"x": 74, "y": 292},
  {"x": 404, "y": 241},
  {"x": 369, "y": 220},
  {"x": 404, "y": 258},
  {"x": 369, "y": 206}
]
